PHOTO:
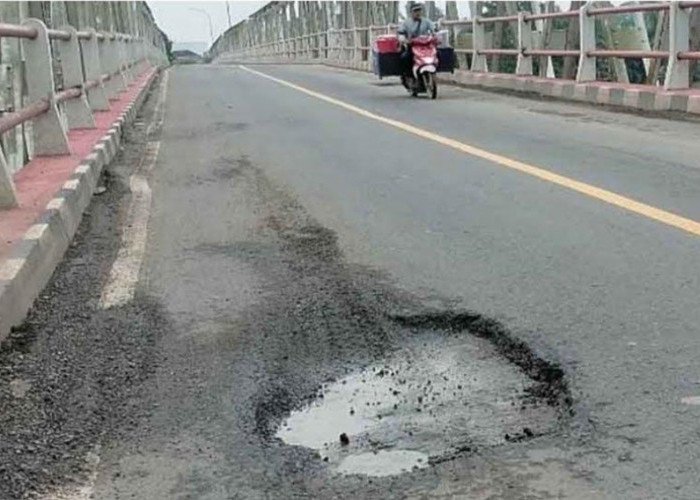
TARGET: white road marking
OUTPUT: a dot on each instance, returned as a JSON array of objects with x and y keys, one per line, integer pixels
[
  {"x": 671, "y": 219},
  {"x": 124, "y": 274},
  {"x": 691, "y": 400},
  {"x": 125, "y": 269}
]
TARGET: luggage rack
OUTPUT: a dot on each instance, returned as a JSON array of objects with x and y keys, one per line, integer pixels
[{"x": 386, "y": 58}]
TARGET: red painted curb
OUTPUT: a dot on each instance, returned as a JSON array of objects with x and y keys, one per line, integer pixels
[{"x": 38, "y": 181}]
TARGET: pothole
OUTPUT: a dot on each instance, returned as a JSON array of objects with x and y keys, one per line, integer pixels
[{"x": 439, "y": 394}]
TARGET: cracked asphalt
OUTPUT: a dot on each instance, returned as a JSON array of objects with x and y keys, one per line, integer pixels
[{"x": 295, "y": 249}]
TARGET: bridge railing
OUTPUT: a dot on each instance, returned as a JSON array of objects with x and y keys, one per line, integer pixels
[
  {"x": 352, "y": 45},
  {"x": 93, "y": 68}
]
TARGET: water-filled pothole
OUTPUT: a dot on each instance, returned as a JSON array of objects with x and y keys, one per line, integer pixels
[{"x": 436, "y": 395}]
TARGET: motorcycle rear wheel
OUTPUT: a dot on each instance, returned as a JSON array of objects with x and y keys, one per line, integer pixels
[{"x": 409, "y": 85}]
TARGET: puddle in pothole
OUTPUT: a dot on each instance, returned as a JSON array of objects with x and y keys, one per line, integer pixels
[{"x": 435, "y": 396}]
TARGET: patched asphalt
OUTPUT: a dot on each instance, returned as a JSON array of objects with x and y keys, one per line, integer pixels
[{"x": 293, "y": 247}]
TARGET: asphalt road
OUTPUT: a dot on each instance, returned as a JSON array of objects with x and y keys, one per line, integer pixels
[{"x": 293, "y": 242}]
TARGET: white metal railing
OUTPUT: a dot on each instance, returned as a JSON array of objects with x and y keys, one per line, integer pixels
[
  {"x": 345, "y": 44},
  {"x": 95, "y": 67}
]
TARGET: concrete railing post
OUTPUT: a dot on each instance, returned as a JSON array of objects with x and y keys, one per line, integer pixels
[
  {"x": 77, "y": 110},
  {"x": 331, "y": 43},
  {"x": 586, "y": 65},
  {"x": 356, "y": 52},
  {"x": 120, "y": 57},
  {"x": 340, "y": 45},
  {"x": 117, "y": 69},
  {"x": 146, "y": 48},
  {"x": 134, "y": 54},
  {"x": 49, "y": 133},
  {"x": 524, "y": 64},
  {"x": 678, "y": 70},
  {"x": 97, "y": 95},
  {"x": 130, "y": 59},
  {"x": 140, "y": 55},
  {"x": 479, "y": 42},
  {"x": 107, "y": 65},
  {"x": 8, "y": 195},
  {"x": 125, "y": 60}
]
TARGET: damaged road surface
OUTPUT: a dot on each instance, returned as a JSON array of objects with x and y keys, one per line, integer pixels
[{"x": 331, "y": 308}]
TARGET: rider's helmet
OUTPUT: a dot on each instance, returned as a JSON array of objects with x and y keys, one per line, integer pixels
[{"x": 414, "y": 6}]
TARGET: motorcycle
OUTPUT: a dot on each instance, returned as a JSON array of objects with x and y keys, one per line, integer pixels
[{"x": 425, "y": 64}]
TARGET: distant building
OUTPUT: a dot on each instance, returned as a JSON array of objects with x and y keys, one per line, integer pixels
[
  {"x": 196, "y": 47},
  {"x": 186, "y": 57}
]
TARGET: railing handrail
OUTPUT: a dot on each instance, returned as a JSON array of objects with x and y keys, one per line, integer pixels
[
  {"x": 456, "y": 22},
  {"x": 10, "y": 120},
  {"x": 32, "y": 110},
  {"x": 9, "y": 30},
  {"x": 88, "y": 60},
  {"x": 17, "y": 31},
  {"x": 628, "y": 54},
  {"x": 495, "y": 19},
  {"x": 552, "y": 15},
  {"x": 627, "y": 9}
]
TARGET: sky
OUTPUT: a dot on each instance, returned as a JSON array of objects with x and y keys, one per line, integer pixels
[{"x": 183, "y": 24}]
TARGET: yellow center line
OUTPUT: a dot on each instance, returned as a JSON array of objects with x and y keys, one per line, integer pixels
[{"x": 637, "y": 207}]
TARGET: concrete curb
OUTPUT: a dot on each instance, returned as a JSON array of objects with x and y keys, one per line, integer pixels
[
  {"x": 33, "y": 259},
  {"x": 633, "y": 97},
  {"x": 636, "y": 97}
]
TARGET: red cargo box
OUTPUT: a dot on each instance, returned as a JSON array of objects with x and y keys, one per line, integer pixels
[{"x": 386, "y": 44}]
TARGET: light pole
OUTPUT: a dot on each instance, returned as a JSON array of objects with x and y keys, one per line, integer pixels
[{"x": 211, "y": 29}]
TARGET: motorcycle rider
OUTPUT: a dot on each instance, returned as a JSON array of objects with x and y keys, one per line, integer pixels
[{"x": 416, "y": 25}]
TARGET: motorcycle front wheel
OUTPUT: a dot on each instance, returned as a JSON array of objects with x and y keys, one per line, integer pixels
[{"x": 430, "y": 84}]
